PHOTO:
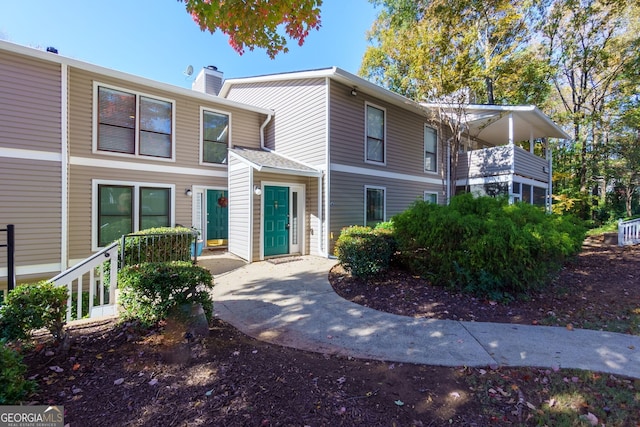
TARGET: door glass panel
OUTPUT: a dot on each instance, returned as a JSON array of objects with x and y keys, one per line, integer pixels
[{"x": 294, "y": 218}]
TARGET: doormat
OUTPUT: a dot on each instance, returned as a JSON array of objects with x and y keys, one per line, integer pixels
[{"x": 284, "y": 260}]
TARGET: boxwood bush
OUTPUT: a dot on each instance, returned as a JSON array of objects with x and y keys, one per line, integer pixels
[
  {"x": 364, "y": 251},
  {"x": 33, "y": 306},
  {"x": 149, "y": 291},
  {"x": 484, "y": 245}
]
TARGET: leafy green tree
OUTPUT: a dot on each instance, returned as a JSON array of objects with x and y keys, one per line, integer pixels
[
  {"x": 589, "y": 44},
  {"x": 257, "y": 23}
]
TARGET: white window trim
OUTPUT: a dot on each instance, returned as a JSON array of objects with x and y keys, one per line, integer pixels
[
  {"x": 96, "y": 118},
  {"x": 384, "y": 202},
  {"x": 430, "y": 193},
  {"x": 201, "y": 148},
  {"x": 136, "y": 204},
  {"x": 424, "y": 149},
  {"x": 384, "y": 136}
]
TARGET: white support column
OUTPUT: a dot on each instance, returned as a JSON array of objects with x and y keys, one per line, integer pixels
[
  {"x": 510, "y": 128},
  {"x": 531, "y": 140}
]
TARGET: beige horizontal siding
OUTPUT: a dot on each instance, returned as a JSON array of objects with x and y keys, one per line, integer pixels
[
  {"x": 404, "y": 133},
  {"x": 298, "y": 129},
  {"x": 245, "y": 129},
  {"x": 80, "y": 198},
  {"x": 348, "y": 198},
  {"x": 31, "y": 200},
  {"x": 30, "y": 103}
]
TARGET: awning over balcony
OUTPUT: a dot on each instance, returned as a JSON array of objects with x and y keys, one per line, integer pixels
[{"x": 501, "y": 123}]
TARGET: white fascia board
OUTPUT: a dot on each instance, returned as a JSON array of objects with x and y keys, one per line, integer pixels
[{"x": 56, "y": 58}]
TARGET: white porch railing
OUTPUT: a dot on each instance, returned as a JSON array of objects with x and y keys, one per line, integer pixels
[
  {"x": 629, "y": 232},
  {"x": 94, "y": 270}
]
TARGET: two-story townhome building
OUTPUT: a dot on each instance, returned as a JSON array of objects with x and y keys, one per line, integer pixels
[
  {"x": 262, "y": 166},
  {"x": 374, "y": 151},
  {"x": 88, "y": 154}
]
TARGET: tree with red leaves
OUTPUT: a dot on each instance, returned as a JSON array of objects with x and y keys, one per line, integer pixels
[{"x": 257, "y": 23}]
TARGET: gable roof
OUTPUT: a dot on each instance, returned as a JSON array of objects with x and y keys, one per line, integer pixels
[{"x": 269, "y": 161}]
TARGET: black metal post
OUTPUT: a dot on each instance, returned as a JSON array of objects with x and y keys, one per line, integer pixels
[{"x": 11, "y": 261}]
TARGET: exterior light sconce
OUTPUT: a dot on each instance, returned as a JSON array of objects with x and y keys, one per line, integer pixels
[
  {"x": 188, "y": 192},
  {"x": 354, "y": 91},
  {"x": 257, "y": 190}
]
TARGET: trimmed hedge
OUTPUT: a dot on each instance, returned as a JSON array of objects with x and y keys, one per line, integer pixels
[
  {"x": 364, "y": 251},
  {"x": 149, "y": 291},
  {"x": 484, "y": 245}
]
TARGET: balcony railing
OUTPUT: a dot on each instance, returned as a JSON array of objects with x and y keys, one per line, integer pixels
[{"x": 502, "y": 160}]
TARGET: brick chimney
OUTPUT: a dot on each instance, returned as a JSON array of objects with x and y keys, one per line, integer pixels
[{"x": 209, "y": 80}]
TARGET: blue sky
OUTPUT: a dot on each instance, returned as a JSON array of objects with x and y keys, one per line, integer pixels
[{"x": 157, "y": 39}]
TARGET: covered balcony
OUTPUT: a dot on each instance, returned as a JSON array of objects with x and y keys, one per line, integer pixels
[{"x": 508, "y": 152}]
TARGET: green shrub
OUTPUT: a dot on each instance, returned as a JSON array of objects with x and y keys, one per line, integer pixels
[
  {"x": 364, "y": 251},
  {"x": 13, "y": 385},
  {"x": 33, "y": 306},
  {"x": 484, "y": 245},
  {"x": 162, "y": 244},
  {"x": 149, "y": 291}
]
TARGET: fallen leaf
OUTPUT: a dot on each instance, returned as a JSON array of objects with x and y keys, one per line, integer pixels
[
  {"x": 56, "y": 368},
  {"x": 530, "y": 406},
  {"x": 153, "y": 381},
  {"x": 455, "y": 395},
  {"x": 569, "y": 327},
  {"x": 75, "y": 367},
  {"x": 118, "y": 381}
]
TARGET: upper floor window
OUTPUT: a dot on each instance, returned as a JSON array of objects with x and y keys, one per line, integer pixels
[
  {"x": 375, "y": 205},
  {"x": 375, "y": 150},
  {"x": 215, "y": 137},
  {"x": 124, "y": 209},
  {"x": 134, "y": 124},
  {"x": 430, "y": 149}
]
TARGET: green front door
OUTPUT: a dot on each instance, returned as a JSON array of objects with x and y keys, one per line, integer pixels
[
  {"x": 217, "y": 218},
  {"x": 276, "y": 220}
]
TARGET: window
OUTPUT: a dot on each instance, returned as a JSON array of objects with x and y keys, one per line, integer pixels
[
  {"x": 430, "y": 197},
  {"x": 134, "y": 124},
  {"x": 375, "y": 144},
  {"x": 430, "y": 150},
  {"x": 117, "y": 205},
  {"x": 215, "y": 137},
  {"x": 374, "y": 205}
]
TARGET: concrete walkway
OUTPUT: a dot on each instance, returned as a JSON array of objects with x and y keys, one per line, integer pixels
[{"x": 293, "y": 304}]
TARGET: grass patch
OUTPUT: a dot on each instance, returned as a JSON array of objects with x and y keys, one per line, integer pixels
[{"x": 558, "y": 397}]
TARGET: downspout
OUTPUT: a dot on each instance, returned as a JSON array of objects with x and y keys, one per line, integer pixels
[{"x": 262, "y": 128}]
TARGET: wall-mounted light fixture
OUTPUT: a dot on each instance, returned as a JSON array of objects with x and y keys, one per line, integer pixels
[
  {"x": 188, "y": 192},
  {"x": 354, "y": 91},
  {"x": 257, "y": 190}
]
